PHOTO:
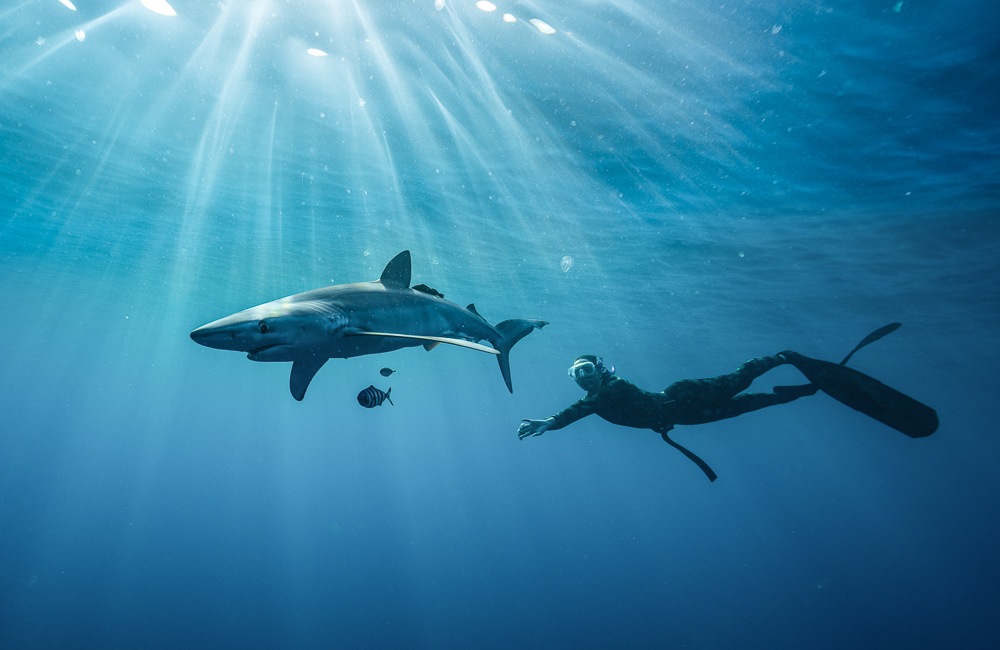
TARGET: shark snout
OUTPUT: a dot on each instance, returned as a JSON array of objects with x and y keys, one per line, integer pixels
[
  {"x": 204, "y": 336},
  {"x": 220, "y": 338},
  {"x": 199, "y": 335}
]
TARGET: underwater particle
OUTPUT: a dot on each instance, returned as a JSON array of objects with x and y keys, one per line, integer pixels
[
  {"x": 509, "y": 18},
  {"x": 313, "y": 51},
  {"x": 566, "y": 263},
  {"x": 69, "y": 5},
  {"x": 80, "y": 35},
  {"x": 485, "y": 5},
  {"x": 898, "y": 7},
  {"x": 775, "y": 29},
  {"x": 439, "y": 4}
]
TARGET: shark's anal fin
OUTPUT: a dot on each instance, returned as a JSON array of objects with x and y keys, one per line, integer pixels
[
  {"x": 433, "y": 339},
  {"x": 303, "y": 371}
]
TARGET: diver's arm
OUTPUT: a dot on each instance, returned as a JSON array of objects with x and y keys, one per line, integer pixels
[
  {"x": 529, "y": 428},
  {"x": 580, "y": 409}
]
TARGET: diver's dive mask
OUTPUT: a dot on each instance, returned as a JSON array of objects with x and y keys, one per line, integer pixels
[{"x": 584, "y": 368}]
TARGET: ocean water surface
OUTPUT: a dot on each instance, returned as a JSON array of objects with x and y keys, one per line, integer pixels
[{"x": 675, "y": 185}]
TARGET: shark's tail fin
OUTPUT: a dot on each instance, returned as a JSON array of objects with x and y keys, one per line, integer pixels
[{"x": 512, "y": 331}]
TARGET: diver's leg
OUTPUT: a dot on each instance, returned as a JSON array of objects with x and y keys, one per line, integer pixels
[
  {"x": 712, "y": 390},
  {"x": 750, "y": 370},
  {"x": 796, "y": 391},
  {"x": 695, "y": 413},
  {"x": 716, "y": 398},
  {"x": 747, "y": 402}
]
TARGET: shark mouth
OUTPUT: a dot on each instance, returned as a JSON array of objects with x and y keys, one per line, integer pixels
[{"x": 257, "y": 354}]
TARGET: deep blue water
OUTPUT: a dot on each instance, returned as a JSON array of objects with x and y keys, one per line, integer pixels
[{"x": 729, "y": 179}]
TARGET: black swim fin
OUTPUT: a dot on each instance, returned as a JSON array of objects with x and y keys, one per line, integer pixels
[
  {"x": 867, "y": 394},
  {"x": 803, "y": 390},
  {"x": 871, "y": 338}
]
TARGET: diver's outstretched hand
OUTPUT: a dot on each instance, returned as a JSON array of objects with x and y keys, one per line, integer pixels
[{"x": 529, "y": 428}]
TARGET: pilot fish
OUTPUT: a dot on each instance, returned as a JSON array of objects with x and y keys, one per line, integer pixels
[{"x": 372, "y": 397}]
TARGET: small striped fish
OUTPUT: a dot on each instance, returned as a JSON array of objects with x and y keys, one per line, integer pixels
[{"x": 372, "y": 397}]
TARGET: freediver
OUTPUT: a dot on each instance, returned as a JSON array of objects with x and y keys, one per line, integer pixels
[{"x": 700, "y": 401}]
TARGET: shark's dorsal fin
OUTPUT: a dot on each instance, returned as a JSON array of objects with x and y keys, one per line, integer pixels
[
  {"x": 303, "y": 371},
  {"x": 397, "y": 272}
]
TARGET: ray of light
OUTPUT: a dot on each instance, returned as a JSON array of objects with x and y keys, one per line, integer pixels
[{"x": 55, "y": 46}]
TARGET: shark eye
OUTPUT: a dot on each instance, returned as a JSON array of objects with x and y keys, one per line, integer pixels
[{"x": 262, "y": 326}]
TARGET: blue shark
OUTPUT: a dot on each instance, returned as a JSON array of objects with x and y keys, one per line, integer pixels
[{"x": 352, "y": 320}]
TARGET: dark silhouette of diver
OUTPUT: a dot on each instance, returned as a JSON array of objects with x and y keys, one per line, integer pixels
[{"x": 699, "y": 401}]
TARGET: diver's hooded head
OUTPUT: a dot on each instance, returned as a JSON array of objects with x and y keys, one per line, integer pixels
[{"x": 589, "y": 372}]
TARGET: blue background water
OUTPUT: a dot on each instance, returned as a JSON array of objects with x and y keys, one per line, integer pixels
[{"x": 729, "y": 179}]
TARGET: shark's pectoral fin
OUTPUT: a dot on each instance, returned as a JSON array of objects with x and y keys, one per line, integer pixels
[
  {"x": 303, "y": 371},
  {"x": 431, "y": 339}
]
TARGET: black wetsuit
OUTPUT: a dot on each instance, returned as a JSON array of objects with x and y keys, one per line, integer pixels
[{"x": 691, "y": 401}]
